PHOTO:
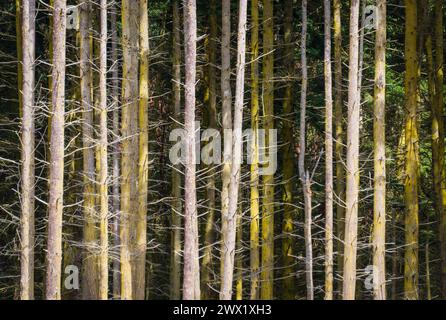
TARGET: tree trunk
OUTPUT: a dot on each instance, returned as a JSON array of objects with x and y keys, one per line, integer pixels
[
  {"x": 226, "y": 119},
  {"x": 254, "y": 253},
  {"x": 439, "y": 104},
  {"x": 328, "y": 156},
  {"x": 56, "y": 166},
  {"x": 339, "y": 138},
  {"x": 103, "y": 144},
  {"x": 352, "y": 187},
  {"x": 115, "y": 154},
  {"x": 288, "y": 160},
  {"x": 229, "y": 238},
  {"x": 89, "y": 266},
  {"x": 379, "y": 204},
  {"x": 128, "y": 131},
  {"x": 211, "y": 99},
  {"x": 177, "y": 208},
  {"x": 191, "y": 287},
  {"x": 26, "y": 86},
  {"x": 139, "y": 280},
  {"x": 304, "y": 175},
  {"x": 267, "y": 273},
  {"x": 412, "y": 164}
]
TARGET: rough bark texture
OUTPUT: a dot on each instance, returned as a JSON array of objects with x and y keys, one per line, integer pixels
[
  {"x": 379, "y": 203},
  {"x": 56, "y": 166},
  {"x": 412, "y": 159},
  {"x": 128, "y": 130},
  {"x": 139, "y": 280}
]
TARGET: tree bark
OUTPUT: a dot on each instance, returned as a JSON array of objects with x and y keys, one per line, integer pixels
[
  {"x": 56, "y": 166},
  {"x": 412, "y": 162},
  {"x": 303, "y": 174},
  {"x": 103, "y": 144},
  {"x": 267, "y": 271},
  {"x": 191, "y": 282},
  {"x": 129, "y": 157},
  {"x": 352, "y": 187},
  {"x": 328, "y": 155},
  {"x": 379, "y": 203},
  {"x": 177, "y": 208},
  {"x": 229, "y": 239},
  {"x": 226, "y": 118},
  {"x": 26, "y": 94},
  {"x": 254, "y": 253},
  {"x": 139, "y": 280},
  {"x": 289, "y": 279}
]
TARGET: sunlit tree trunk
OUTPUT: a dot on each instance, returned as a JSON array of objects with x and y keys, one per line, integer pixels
[
  {"x": 103, "y": 144},
  {"x": 139, "y": 280},
  {"x": 191, "y": 282},
  {"x": 288, "y": 159},
  {"x": 26, "y": 87},
  {"x": 379, "y": 203},
  {"x": 254, "y": 253},
  {"x": 115, "y": 154},
  {"x": 56, "y": 164},
  {"x": 328, "y": 155},
  {"x": 175, "y": 262},
  {"x": 267, "y": 272},
  {"x": 229, "y": 239},
  {"x": 128, "y": 131},
  {"x": 412, "y": 164},
  {"x": 352, "y": 187}
]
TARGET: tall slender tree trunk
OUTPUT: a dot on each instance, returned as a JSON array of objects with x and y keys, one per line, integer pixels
[
  {"x": 89, "y": 266},
  {"x": 439, "y": 104},
  {"x": 267, "y": 271},
  {"x": 352, "y": 187},
  {"x": 379, "y": 203},
  {"x": 139, "y": 280},
  {"x": 229, "y": 239},
  {"x": 412, "y": 164},
  {"x": 328, "y": 156},
  {"x": 226, "y": 119},
  {"x": 27, "y": 139},
  {"x": 339, "y": 137},
  {"x": 55, "y": 203},
  {"x": 128, "y": 131},
  {"x": 303, "y": 174},
  {"x": 103, "y": 144},
  {"x": 209, "y": 234},
  {"x": 177, "y": 208},
  {"x": 191, "y": 282},
  {"x": 115, "y": 154},
  {"x": 288, "y": 159},
  {"x": 254, "y": 253}
]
